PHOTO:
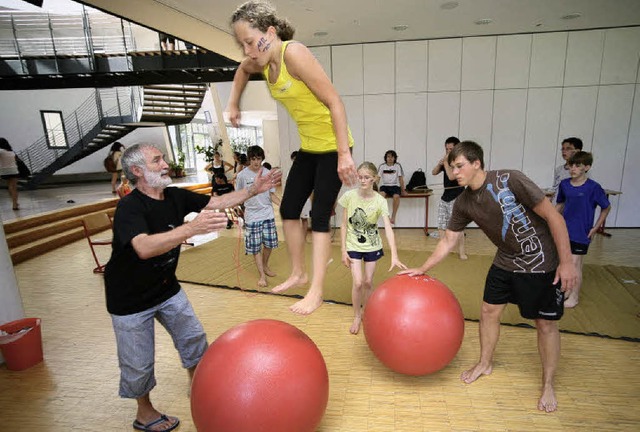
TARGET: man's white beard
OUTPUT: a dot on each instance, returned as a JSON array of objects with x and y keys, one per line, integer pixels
[{"x": 155, "y": 180}]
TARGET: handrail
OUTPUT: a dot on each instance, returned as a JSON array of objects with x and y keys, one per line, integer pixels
[{"x": 103, "y": 107}]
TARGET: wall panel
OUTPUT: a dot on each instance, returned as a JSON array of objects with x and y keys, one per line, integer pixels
[
  {"x": 379, "y": 68},
  {"x": 411, "y": 132},
  {"x": 347, "y": 69},
  {"x": 379, "y": 125},
  {"x": 478, "y": 63},
  {"x": 445, "y": 60},
  {"x": 509, "y": 111},
  {"x": 584, "y": 58},
  {"x": 628, "y": 214},
  {"x": 513, "y": 59},
  {"x": 411, "y": 66},
  {"x": 548, "y": 53}
]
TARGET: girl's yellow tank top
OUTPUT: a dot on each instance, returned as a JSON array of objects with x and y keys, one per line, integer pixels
[{"x": 312, "y": 116}]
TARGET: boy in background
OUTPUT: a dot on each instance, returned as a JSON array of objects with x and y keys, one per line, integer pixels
[
  {"x": 259, "y": 218},
  {"x": 578, "y": 197},
  {"x": 569, "y": 147}
]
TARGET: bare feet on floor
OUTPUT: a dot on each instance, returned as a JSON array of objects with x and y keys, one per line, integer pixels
[
  {"x": 262, "y": 282},
  {"x": 571, "y": 302},
  {"x": 269, "y": 272},
  {"x": 475, "y": 372},
  {"x": 355, "y": 327},
  {"x": 464, "y": 257},
  {"x": 307, "y": 305},
  {"x": 292, "y": 282},
  {"x": 548, "y": 401}
]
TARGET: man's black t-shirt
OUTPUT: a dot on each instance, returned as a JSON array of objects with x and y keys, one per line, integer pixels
[{"x": 133, "y": 284}]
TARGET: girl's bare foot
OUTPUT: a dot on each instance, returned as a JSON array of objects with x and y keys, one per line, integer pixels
[
  {"x": 262, "y": 282},
  {"x": 355, "y": 327},
  {"x": 307, "y": 305},
  {"x": 548, "y": 401},
  {"x": 292, "y": 282},
  {"x": 475, "y": 372},
  {"x": 269, "y": 272}
]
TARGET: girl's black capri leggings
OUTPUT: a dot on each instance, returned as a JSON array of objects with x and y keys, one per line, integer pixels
[{"x": 317, "y": 173}]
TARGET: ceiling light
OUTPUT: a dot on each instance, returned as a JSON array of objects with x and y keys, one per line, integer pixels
[
  {"x": 571, "y": 16},
  {"x": 483, "y": 21},
  {"x": 449, "y": 5},
  {"x": 320, "y": 33},
  {"x": 401, "y": 27}
]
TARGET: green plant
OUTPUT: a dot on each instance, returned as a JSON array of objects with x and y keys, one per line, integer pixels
[
  {"x": 210, "y": 150},
  {"x": 241, "y": 144}
]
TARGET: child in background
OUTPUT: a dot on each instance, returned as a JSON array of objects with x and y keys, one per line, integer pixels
[
  {"x": 578, "y": 197},
  {"x": 259, "y": 218},
  {"x": 569, "y": 147},
  {"x": 220, "y": 186},
  {"x": 360, "y": 239},
  {"x": 392, "y": 181}
]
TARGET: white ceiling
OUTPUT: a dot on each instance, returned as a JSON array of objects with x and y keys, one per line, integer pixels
[{"x": 357, "y": 21}]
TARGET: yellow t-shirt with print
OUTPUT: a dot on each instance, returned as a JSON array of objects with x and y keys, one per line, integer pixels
[
  {"x": 362, "y": 220},
  {"x": 312, "y": 116}
]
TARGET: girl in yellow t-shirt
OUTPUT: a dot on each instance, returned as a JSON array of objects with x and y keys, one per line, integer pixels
[{"x": 360, "y": 239}]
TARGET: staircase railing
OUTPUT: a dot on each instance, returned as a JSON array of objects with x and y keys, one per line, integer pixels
[{"x": 103, "y": 107}]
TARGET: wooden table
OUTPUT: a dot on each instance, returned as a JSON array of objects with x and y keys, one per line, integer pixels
[{"x": 425, "y": 195}]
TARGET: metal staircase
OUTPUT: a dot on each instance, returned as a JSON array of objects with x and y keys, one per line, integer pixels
[
  {"x": 172, "y": 103},
  {"x": 106, "y": 116}
]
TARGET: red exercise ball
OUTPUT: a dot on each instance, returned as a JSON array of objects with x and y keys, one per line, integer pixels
[
  {"x": 413, "y": 324},
  {"x": 263, "y": 375}
]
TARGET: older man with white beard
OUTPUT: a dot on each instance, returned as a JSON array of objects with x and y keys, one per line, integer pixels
[{"x": 140, "y": 279}]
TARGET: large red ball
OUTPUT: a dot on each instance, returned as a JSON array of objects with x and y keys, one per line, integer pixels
[
  {"x": 263, "y": 375},
  {"x": 413, "y": 324}
]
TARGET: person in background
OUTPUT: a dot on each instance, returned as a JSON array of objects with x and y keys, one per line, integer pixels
[
  {"x": 220, "y": 186},
  {"x": 260, "y": 233},
  {"x": 392, "y": 181},
  {"x": 9, "y": 171},
  {"x": 140, "y": 277},
  {"x": 569, "y": 147},
  {"x": 532, "y": 267},
  {"x": 578, "y": 197},
  {"x": 451, "y": 192},
  {"x": 116, "y": 153},
  {"x": 296, "y": 79}
]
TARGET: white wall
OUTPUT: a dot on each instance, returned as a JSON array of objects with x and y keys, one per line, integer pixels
[{"x": 518, "y": 96}]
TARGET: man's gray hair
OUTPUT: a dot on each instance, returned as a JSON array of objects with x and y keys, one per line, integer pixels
[{"x": 134, "y": 156}]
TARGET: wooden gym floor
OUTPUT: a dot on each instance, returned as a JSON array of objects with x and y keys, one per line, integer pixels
[{"x": 75, "y": 388}]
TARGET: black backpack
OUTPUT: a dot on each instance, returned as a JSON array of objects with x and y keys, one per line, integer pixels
[{"x": 417, "y": 179}]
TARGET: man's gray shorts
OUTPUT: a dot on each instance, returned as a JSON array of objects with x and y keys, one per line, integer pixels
[{"x": 135, "y": 338}]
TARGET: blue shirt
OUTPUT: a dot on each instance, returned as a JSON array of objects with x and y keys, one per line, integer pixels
[{"x": 580, "y": 207}]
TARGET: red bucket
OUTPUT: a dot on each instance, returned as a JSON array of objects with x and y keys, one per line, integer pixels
[{"x": 22, "y": 347}]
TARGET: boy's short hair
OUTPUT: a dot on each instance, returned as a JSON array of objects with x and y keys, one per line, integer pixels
[
  {"x": 267, "y": 165},
  {"x": 575, "y": 142},
  {"x": 581, "y": 158},
  {"x": 255, "y": 152},
  {"x": 453, "y": 140},
  {"x": 471, "y": 150}
]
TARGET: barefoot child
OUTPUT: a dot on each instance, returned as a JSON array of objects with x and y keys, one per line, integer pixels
[
  {"x": 259, "y": 219},
  {"x": 578, "y": 197},
  {"x": 360, "y": 238}
]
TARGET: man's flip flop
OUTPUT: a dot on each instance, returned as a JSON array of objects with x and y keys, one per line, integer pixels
[{"x": 149, "y": 426}]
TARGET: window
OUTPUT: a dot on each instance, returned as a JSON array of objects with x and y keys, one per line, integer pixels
[{"x": 54, "y": 129}]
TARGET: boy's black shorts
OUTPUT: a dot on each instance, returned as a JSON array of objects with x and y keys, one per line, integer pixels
[
  {"x": 579, "y": 248},
  {"x": 535, "y": 294}
]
